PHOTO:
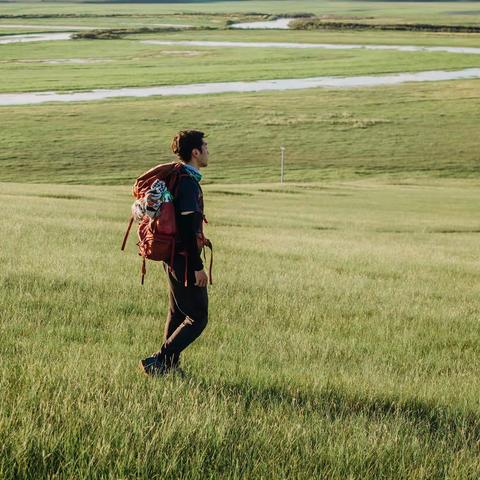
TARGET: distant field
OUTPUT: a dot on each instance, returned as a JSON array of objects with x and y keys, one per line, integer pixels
[
  {"x": 437, "y": 12},
  {"x": 382, "y": 38},
  {"x": 385, "y": 131},
  {"x": 426, "y": 130},
  {"x": 343, "y": 339},
  {"x": 132, "y": 21},
  {"x": 129, "y": 63}
]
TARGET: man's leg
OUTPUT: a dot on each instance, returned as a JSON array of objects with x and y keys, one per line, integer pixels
[
  {"x": 174, "y": 318},
  {"x": 192, "y": 303}
]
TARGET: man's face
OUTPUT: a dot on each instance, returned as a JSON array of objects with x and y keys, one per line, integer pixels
[{"x": 202, "y": 155}]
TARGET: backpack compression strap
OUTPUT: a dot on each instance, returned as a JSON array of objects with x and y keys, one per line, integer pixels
[
  {"x": 211, "y": 265},
  {"x": 126, "y": 233},
  {"x": 209, "y": 245},
  {"x": 144, "y": 270}
]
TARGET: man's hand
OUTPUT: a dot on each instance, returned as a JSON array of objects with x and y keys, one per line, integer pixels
[{"x": 201, "y": 278}]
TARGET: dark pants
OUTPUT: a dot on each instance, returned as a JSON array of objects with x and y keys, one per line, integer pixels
[{"x": 187, "y": 313}]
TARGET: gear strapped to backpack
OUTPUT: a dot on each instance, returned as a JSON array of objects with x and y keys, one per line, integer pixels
[{"x": 154, "y": 210}]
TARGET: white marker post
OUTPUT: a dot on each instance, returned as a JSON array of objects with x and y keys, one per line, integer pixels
[{"x": 282, "y": 164}]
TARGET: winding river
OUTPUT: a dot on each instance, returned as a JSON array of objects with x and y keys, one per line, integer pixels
[
  {"x": 279, "y": 24},
  {"x": 325, "y": 46},
  {"x": 35, "y": 37},
  {"x": 228, "y": 87},
  {"x": 7, "y": 99}
]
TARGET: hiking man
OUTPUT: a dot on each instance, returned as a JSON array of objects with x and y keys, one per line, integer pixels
[{"x": 188, "y": 298}]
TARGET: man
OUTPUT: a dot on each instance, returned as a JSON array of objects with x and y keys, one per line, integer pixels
[{"x": 188, "y": 297}]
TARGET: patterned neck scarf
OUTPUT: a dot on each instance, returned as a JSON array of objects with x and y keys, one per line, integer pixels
[{"x": 192, "y": 171}]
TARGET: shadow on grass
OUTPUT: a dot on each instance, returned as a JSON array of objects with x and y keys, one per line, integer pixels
[
  {"x": 428, "y": 231},
  {"x": 455, "y": 230},
  {"x": 222, "y": 192},
  {"x": 59, "y": 196},
  {"x": 64, "y": 196},
  {"x": 277, "y": 190},
  {"x": 461, "y": 428}
]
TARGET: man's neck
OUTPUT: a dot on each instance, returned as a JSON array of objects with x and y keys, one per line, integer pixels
[{"x": 193, "y": 163}]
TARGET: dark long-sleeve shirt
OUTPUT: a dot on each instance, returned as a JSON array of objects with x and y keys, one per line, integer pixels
[
  {"x": 187, "y": 227},
  {"x": 189, "y": 198}
]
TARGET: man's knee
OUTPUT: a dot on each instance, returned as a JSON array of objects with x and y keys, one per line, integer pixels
[{"x": 199, "y": 320}]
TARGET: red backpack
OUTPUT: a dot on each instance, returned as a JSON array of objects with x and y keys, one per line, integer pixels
[{"x": 157, "y": 236}]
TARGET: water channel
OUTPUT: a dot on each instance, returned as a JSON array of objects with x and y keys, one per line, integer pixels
[
  {"x": 252, "y": 86},
  {"x": 229, "y": 87}
]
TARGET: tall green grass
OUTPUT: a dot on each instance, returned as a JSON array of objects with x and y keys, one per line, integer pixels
[{"x": 343, "y": 338}]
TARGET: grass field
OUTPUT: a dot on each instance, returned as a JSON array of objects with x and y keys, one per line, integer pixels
[
  {"x": 118, "y": 63},
  {"x": 427, "y": 130},
  {"x": 104, "y": 21},
  {"x": 343, "y": 338},
  {"x": 393, "y": 11}
]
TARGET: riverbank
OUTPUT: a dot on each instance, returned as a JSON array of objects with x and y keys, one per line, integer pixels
[{"x": 321, "y": 24}]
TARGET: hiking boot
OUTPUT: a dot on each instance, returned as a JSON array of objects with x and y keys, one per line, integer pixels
[{"x": 152, "y": 366}]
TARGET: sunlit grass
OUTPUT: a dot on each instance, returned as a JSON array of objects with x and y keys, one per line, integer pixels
[
  {"x": 342, "y": 340},
  {"x": 415, "y": 129}
]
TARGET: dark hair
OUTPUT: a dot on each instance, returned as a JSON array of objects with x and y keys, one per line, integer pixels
[{"x": 185, "y": 141}]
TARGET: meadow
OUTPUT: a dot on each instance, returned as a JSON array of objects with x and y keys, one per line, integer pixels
[
  {"x": 342, "y": 343},
  {"x": 343, "y": 338},
  {"x": 423, "y": 130}
]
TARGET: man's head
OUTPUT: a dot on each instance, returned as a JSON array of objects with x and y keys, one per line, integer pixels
[{"x": 190, "y": 147}]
